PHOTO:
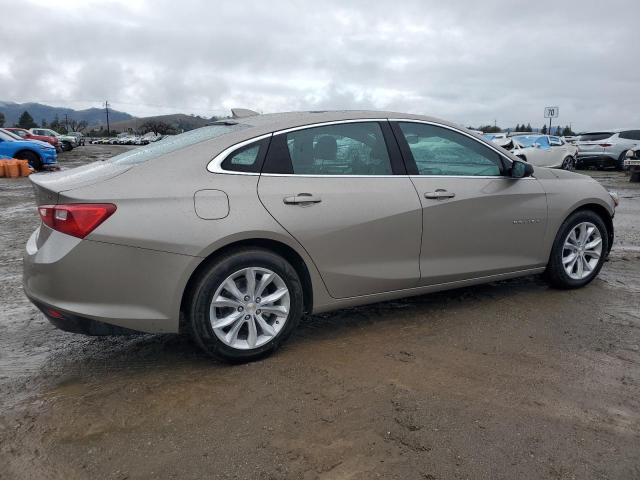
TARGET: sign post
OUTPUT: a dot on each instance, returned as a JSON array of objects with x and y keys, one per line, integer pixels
[{"x": 551, "y": 112}]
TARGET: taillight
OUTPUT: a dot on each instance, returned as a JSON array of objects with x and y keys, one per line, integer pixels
[
  {"x": 76, "y": 219},
  {"x": 604, "y": 145}
]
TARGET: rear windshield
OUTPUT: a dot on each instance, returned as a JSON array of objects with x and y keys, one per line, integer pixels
[
  {"x": 173, "y": 143},
  {"x": 593, "y": 137}
]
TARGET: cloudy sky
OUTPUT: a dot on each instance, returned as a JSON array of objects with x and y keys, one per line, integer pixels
[{"x": 473, "y": 62}]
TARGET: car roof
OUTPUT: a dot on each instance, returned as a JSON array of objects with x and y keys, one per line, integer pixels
[{"x": 285, "y": 120}]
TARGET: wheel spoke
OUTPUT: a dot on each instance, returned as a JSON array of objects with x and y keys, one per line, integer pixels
[
  {"x": 572, "y": 240},
  {"x": 274, "y": 297},
  {"x": 231, "y": 287},
  {"x": 266, "y": 328},
  {"x": 228, "y": 320},
  {"x": 250, "y": 275},
  {"x": 569, "y": 258},
  {"x": 252, "y": 338},
  {"x": 579, "y": 267},
  {"x": 277, "y": 310},
  {"x": 593, "y": 243},
  {"x": 587, "y": 265},
  {"x": 265, "y": 280},
  {"x": 592, "y": 254},
  {"x": 222, "y": 301},
  {"x": 232, "y": 335}
]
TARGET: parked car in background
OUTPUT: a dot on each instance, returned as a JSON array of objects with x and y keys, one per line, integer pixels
[
  {"x": 299, "y": 212},
  {"x": 27, "y": 135},
  {"x": 632, "y": 162},
  {"x": 606, "y": 148},
  {"x": 68, "y": 142},
  {"x": 545, "y": 151},
  {"x": 571, "y": 138},
  {"x": 39, "y": 154},
  {"x": 80, "y": 139},
  {"x": 499, "y": 138}
]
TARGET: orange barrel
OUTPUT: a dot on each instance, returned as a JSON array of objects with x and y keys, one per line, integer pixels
[
  {"x": 12, "y": 169},
  {"x": 2, "y": 168},
  {"x": 25, "y": 169}
]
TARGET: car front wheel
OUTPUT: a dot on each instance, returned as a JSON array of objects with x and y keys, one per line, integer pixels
[
  {"x": 569, "y": 163},
  {"x": 243, "y": 306},
  {"x": 579, "y": 250}
]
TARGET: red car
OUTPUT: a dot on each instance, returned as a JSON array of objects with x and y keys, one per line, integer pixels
[{"x": 27, "y": 135}]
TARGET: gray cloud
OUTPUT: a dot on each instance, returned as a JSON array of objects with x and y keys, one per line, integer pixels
[{"x": 470, "y": 62}]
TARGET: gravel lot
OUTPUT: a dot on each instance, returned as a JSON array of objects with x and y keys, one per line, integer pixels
[{"x": 511, "y": 380}]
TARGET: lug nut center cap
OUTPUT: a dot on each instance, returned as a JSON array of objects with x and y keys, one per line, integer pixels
[{"x": 251, "y": 308}]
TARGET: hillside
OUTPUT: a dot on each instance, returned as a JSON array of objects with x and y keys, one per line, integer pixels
[
  {"x": 39, "y": 112},
  {"x": 179, "y": 121}
]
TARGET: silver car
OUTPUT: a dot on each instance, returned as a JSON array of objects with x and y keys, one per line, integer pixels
[
  {"x": 233, "y": 231},
  {"x": 605, "y": 148}
]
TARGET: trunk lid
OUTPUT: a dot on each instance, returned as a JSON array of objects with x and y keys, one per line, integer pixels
[{"x": 48, "y": 186}]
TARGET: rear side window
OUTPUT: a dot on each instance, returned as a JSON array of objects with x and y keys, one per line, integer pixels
[
  {"x": 595, "y": 136},
  {"x": 248, "y": 158},
  {"x": 631, "y": 135},
  {"x": 342, "y": 149},
  {"x": 441, "y": 151}
]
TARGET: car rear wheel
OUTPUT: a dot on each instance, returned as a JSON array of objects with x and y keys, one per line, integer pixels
[
  {"x": 32, "y": 158},
  {"x": 569, "y": 163},
  {"x": 579, "y": 250},
  {"x": 620, "y": 162},
  {"x": 245, "y": 305}
]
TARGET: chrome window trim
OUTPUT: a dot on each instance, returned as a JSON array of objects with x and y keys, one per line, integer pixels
[{"x": 215, "y": 165}]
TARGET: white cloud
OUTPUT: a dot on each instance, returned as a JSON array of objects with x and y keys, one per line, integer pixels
[{"x": 470, "y": 62}]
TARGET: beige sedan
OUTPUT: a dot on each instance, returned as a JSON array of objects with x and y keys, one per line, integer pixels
[{"x": 233, "y": 231}]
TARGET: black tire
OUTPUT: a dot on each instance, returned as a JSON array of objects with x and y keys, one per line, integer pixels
[
  {"x": 569, "y": 163},
  {"x": 620, "y": 162},
  {"x": 555, "y": 273},
  {"x": 66, "y": 146},
  {"x": 211, "y": 278},
  {"x": 34, "y": 159}
]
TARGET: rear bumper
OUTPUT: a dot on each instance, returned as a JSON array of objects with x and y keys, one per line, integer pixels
[
  {"x": 596, "y": 159},
  {"x": 91, "y": 283}
]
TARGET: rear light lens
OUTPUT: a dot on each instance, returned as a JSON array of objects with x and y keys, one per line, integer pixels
[
  {"x": 604, "y": 145},
  {"x": 76, "y": 219}
]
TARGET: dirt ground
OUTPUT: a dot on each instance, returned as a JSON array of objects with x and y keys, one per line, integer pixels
[{"x": 511, "y": 380}]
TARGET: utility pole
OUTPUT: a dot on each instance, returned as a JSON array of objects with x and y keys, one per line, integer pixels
[
  {"x": 66, "y": 121},
  {"x": 106, "y": 108}
]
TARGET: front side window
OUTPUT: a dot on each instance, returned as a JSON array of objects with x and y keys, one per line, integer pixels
[
  {"x": 342, "y": 149},
  {"x": 441, "y": 151},
  {"x": 555, "y": 141}
]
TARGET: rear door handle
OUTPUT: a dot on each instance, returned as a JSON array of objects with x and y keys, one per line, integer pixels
[
  {"x": 302, "y": 199},
  {"x": 439, "y": 194}
]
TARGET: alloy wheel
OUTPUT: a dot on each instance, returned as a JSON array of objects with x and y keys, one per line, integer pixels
[
  {"x": 249, "y": 308},
  {"x": 582, "y": 250}
]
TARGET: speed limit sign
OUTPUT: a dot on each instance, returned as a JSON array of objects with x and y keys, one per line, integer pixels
[{"x": 551, "y": 112}]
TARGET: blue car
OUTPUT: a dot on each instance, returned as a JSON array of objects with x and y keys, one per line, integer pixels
[{"x": 39, "y": 154}]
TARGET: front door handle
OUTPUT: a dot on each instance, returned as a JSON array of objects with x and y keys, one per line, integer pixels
[
  {"x": 439, "y": 194},
  {"x": 302, "y": 199}
]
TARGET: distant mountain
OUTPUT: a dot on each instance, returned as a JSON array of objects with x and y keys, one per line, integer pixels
[{"x": 39, "y": 112}]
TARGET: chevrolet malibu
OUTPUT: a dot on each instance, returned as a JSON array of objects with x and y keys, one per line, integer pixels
[{"x": 233, "y": 231}]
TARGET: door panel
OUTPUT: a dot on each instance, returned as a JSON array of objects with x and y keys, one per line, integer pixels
[
  {"x": 491, "y": 226},
  {"x": 363, "y": 233}
]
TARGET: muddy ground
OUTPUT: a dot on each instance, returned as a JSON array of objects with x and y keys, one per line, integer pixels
[{"x": 511, "y": 380}]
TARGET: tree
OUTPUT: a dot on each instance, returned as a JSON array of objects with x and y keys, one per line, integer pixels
[
  {"x": 26, "y": 121},
  {"x": 2, "y": 119},
  {"x": 155, "y": 126},
  {"x": 44, "y": 124},
  {"x": 544, "y": 129},
  {"x": 517, "y": 127},
  {"x": 490, "y": 129},
  {"x": 529, "y": 129},
  {"x": 566, "y": 131},
  {"x": 77, "y": 126}
]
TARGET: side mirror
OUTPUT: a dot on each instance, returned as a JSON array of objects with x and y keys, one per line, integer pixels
[{"x": 520, "y": 169}]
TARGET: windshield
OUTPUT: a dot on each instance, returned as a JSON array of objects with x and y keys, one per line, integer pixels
[
  {"x": 529, "y": 140},
  {"x": 10, "y": 135},
  {"x": 173, "y": 143}
]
